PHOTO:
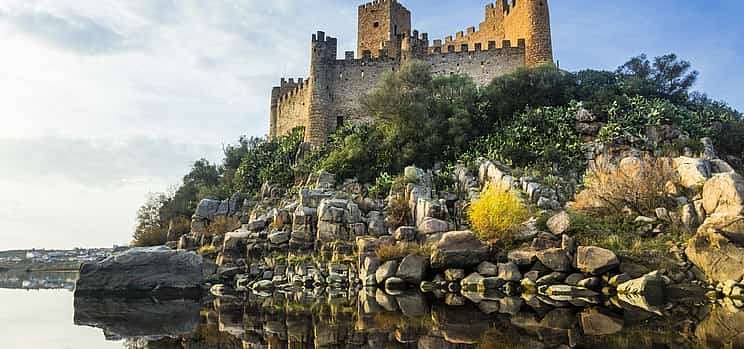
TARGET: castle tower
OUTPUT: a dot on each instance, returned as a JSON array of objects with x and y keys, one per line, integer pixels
[
  {"x": 323, "y": 55},
  {"x": 382, "y": 24},
  {"x": 537, "y": 36}
]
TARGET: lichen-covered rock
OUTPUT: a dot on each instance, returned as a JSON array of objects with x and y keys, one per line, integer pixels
[
  {"x": 595, "y": 260},
  {"x": 724, "y": 194},
  {"x": 459, "y": 249},
  {"x": 692, "y": 172},
  {"x": 555, "y": 259},
  {"x": 432, "y": 225},
  {"x": 559, "y": 223},
  {"x": 522, "y": 256}
]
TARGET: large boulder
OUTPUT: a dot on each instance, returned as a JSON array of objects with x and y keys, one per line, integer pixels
[
  {"x": 692, "y": 172},
  {"x": 556, "y": 259},
  {"x": 458, "y": 249},
  {"x": 412, "y": 269},
  {"x": 716, "y": 256},
  {"x": 595, "y": 260},
  {"x": 208, "y": 207},
  {"x": 432, "y": 225},
  {"x": 386, "y": 271},
  {"x": 732, "y": 227},
  {"x": 151, "y": 269},
  {"x": 724, "y": 194}
]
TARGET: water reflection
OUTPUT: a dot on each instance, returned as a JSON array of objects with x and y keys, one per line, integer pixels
[
  {"x": 17, "y": 279},
  {"x": 371, "y": 318}
]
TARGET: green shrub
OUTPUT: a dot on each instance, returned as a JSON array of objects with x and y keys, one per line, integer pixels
[
  {"x": 268, "y": 161},
  {"x": 541, "y": 138}
]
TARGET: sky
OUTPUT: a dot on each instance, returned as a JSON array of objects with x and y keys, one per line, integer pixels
[{"x": 105, "y": 101}]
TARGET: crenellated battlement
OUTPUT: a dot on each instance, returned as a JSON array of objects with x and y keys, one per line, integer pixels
[
  {"x": 288, "y": 87},
  {"x": 380, "y": 5},
  {"x": 513, "y": 34}
]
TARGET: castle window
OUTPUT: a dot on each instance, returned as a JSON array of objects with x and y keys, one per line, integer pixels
[
  {"x": 339, "y": 121},
  {"x": 376, "y": 24}
]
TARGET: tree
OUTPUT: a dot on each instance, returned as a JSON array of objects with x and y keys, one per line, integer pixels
[
  {"x": 150, "y": 230},
  {"x": 665, "y": 77}
]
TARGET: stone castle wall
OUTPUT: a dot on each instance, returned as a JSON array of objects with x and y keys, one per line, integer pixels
[
  {"x": 515, "y": 20},
  {"x": 514, "y": 34}
]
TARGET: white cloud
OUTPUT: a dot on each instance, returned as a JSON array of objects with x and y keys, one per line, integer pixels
[{"x": 102, "y": 101}]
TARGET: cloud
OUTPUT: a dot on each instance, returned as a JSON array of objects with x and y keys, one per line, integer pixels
[
  {"x": 99, "y": 162},
  {"x": 77, "y": 33}
]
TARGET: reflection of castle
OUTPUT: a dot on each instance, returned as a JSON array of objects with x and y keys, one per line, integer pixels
[{"x": 514, "y": 33}]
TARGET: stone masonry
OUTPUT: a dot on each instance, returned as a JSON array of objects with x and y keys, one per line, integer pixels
[{"x": 514, "y": 34}]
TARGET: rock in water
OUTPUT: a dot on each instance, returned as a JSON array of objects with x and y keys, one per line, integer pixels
[
  {"x": 151, "y": 269},
  {"x": 413, "y": 269}
]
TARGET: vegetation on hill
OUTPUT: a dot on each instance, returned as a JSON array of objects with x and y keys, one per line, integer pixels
[{"x": 525, "y": 119}]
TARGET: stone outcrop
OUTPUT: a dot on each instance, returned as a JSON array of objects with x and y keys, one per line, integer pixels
[
  {"x": 156, "y": 269},
  {"x": 717, "y": 256},
  {"x": 595, "y": 260},
  {"x": 458, "y": 249}
]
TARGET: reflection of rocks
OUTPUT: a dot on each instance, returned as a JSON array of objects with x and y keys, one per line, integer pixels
[
  {"x": 127, "y": 318},
  {"x": 722, "y": 328}
]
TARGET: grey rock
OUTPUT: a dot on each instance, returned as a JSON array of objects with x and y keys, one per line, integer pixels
[
  {"x": 207, "y": 208},
  {"x": 143, "y": 269},
  {"x": 279, "y": 237},
  {"x": 432, "y": 225},
  {"x": 650, "y": 286},
  {"x": 459, "y": 249},
  {"x": 509, "y": 272},
  {"x": 559, "y": 223},
  {"x": 385, "y": 271},
  {"x": 376, "y": 224},
  {"x": 405, "y": 234},
  {"x": 555, "y": 259},
  {"x": 487, "y": 269},
  {"x": 412, "y": 269},
  {"x": 595, "y": 260},
  {"x": 522, "y": 256}
]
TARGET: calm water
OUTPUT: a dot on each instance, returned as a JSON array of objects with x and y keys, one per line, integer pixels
[{"x": 54, "y": 318}]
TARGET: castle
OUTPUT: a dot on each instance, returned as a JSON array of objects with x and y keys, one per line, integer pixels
[{"x": 515, "y": 33}]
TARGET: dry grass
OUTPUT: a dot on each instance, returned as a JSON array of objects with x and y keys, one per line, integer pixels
[
  {"x": 496, "y": 214},
  {"x": 397, "y": 212},
  {"x": 388, "y": 252},
  {"x": 178, "y": 227},
  {"x": 222, "y": 225},
  {"x": 636, "y": 186}
]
